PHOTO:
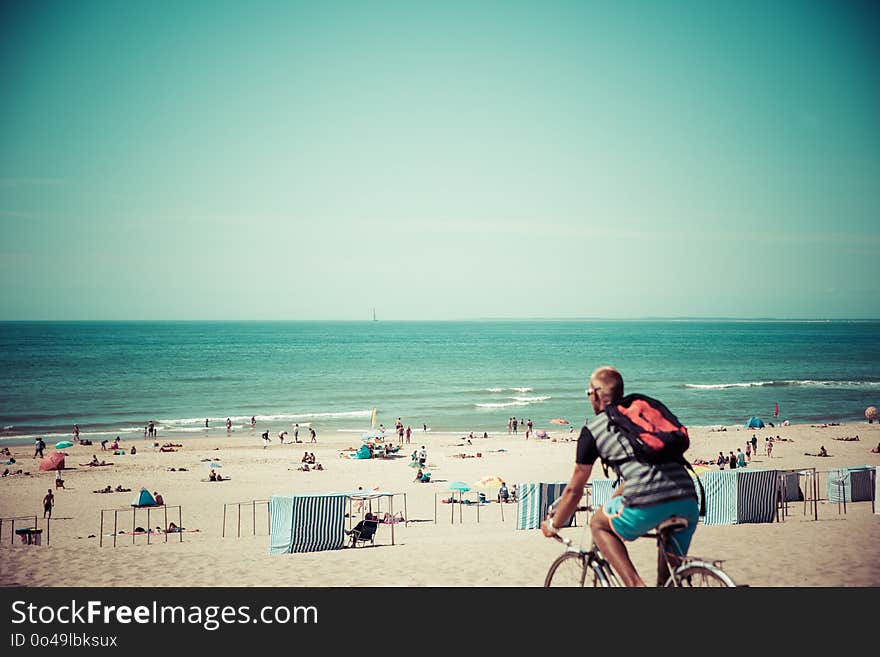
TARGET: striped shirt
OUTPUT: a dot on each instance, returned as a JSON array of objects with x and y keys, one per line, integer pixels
[{"x": 646, "y": 483}]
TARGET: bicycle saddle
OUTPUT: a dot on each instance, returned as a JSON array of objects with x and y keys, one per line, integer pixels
[{"x": 672, "y": 523}]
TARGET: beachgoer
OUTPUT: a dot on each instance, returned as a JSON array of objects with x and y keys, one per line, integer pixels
[
  {"x": 425, "y": 427},
  {"x": 159, "y": 500},
  {"x": 253, "y": 421},
  {"x": 754, "y": 444},
  {"x": 76, "y": 432},
  {"x": 419, "y": 474},
  {"x": 265, "y": 439},
  {"x": 749, "y": 451},
  {"x": 281, "y": 435},
  {"x": 312, "y": 458},
  {"x": 770, "y": 448},
  {"x": 48, "y": 503},
  {"x": 313, "y": 435},
  {"x": 876, "y": 450},
  {"x": 228, "y": 425},
  {"x": 423, "y": 456},
  {"x": 104, "y": 445},
  {"x": 94, "y": 460},
  {"x": 212, "y": 476},
  {"x": 513, "y": 493},
  {"x": 822, "y": 451},
  {"x": 648, "y": 493},
  {"x": 408, "y": 433},
  {"x": 721, "y": 461},
  {"x": 206, "y": 426},
  {"x": 503, "y": 493},
  {"x": 731, "y": 461},
  {"x": 59, "y": 482},
  {"x": 740, "y": 459},
  {"x": 296, "y": 433},
  {"x": 39, "y": 446}
]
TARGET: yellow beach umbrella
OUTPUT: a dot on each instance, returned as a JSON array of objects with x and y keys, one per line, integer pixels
[{"x": 489, "y": 482}]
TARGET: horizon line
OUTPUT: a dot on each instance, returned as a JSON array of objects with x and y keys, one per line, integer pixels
[{"x": 472, "y": 319}]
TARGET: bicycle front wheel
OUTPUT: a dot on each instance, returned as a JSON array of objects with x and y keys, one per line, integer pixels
[
  {"x": 574, "y": 569},
  {"x": 698, "y": 574}
]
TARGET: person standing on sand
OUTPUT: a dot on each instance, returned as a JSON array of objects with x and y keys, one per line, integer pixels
[
  {"x": 48, "y": 503},
  {"x": 206, "y": 423},
  {"x": 408, "y": 433},
  {"x": 39, "y": 446},
  {"x": 749, "y": 451},
  {"x": 228, "y": 425},
  {"x": 296, "y": 432},
  {"x": 265, "y": 439},
  {"x": 313, "y": 436}
]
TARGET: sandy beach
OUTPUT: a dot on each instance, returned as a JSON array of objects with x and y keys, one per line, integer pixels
[{"x": 836, "y": 550}]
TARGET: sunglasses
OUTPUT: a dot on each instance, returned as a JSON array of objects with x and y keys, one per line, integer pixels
[{"x": 591, "y": 391}]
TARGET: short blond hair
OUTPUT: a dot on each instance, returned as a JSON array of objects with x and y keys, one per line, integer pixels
[{"x": 610, "y": 383}]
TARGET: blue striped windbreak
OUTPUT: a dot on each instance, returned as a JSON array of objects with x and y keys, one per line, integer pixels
[
  {"x": 306, "y": 523},
  {"x": 533, "y": 500}
]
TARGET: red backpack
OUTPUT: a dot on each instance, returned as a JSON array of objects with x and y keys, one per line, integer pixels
[{"x": 654, "y": 432}]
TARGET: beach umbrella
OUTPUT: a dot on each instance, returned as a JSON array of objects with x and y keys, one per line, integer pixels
[
  {"x": 460, "y": 486},
  {"x": 63, "y": 444},
  {"x": 558, "y": 420},
  {"x": 541, "y": 434},
  {"x": 489, "y": 482},
  {"x": 54, "y": 461},
  {"x": 871, "y": 413}
]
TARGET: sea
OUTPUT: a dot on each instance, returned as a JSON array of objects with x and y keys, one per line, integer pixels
[{"x": 112, "y": 378}]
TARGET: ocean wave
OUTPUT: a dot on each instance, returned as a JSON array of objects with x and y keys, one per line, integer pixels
[
  {"x": 523, "y": 389},
  {"x": 502, "y": 404},
  {"x": 278, "y": 417},
  {"x": 494, "y": 389},
  {"x": 786, "y": 383},
  {"x": 529, "y": 400}
]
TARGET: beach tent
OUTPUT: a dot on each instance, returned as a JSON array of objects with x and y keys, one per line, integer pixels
[
  {"x": 307, "y": 523},
  {"x": 533, "y": 500},
  {"x": 54, "y": 461},
  {"x": 143, "y": 498},
  {"x": 363, "y": 452},
  {"x": 755, "y": 423},
  {"x": 739, "y": 496},
  {"x": 850, "y": 484}
]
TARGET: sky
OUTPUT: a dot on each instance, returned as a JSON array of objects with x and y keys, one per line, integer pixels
[{"x": 447, "y": 160}]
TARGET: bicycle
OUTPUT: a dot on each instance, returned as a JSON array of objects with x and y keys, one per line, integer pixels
[{"x": 579, "y": 568}]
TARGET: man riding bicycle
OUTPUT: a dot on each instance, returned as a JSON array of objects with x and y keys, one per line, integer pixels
[{"x": 648, "y": 493}]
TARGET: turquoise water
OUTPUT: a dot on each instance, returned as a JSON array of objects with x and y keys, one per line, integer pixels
[{"x": 113, "y": 377}]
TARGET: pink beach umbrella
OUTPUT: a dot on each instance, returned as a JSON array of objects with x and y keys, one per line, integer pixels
[{"x": 871, "y": 413}]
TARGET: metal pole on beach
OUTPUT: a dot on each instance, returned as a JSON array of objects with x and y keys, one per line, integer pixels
[
  {"x": 115, "y": 525},
  {"x": 149, "y": 526},
  {"x": 48, "y": 529},
  {"x": 238, "y": 531},
  {"x": 133, "y": 516},
  {"x": 254, "y": 508},
  {"x": 223, "y": 531},
  {"x": 166, "y": 525},
  {"x": 101, "y": 531},
  {"x": 391, "y": 505},
  {"x": 405, "y": 514}
]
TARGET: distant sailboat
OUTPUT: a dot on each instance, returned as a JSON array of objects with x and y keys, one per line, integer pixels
[{"x": 374, "y": 315}]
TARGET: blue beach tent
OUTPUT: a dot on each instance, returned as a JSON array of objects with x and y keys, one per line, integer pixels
[
  {"x": 143, "y": 498},
  {"x": 755, "y": 423}
]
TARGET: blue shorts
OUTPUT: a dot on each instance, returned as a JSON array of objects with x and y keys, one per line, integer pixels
[{"x": 631, "y": 523}]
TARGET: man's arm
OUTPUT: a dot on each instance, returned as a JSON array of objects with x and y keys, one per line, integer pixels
[{"x": 568, "y": 502}]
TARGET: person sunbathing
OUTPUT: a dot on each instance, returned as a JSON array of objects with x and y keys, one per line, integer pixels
[
  {"x": 304, "y": 467},
  {"x": 120, "y": 489},
  {"x": 876, "y": 450},
  {"x": 167, "y": 449},
  {"x": 318, "y": 466},
  {"x": 104, "y": 490}
]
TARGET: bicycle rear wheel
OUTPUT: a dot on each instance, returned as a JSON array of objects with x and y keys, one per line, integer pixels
[
  {"x": 573, "y": 569},
  {"x": 698, "y": 574}
]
